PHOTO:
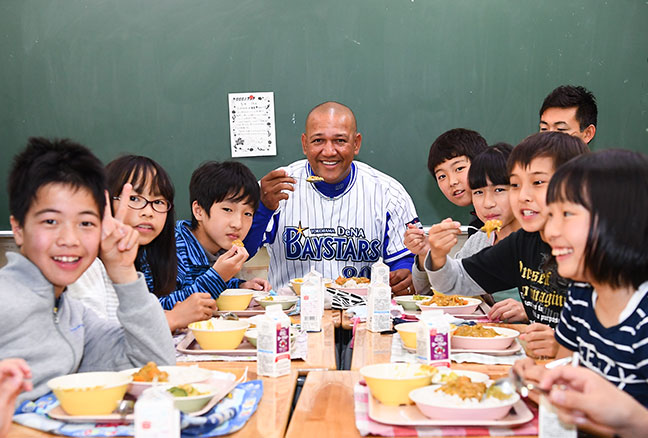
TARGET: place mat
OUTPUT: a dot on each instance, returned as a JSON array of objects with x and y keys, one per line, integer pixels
[
  {"x": 228, "y": 416},
  {"x": 257, "y": 310},
  {"x": 479, "y": 315},
  {"x": 366, "y": 426},
  {"x": 188, "y": 350},
  {"x": 400, "y": 354}
]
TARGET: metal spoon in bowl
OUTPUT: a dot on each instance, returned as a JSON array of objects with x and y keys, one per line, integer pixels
[
  {"x": 125, "y": 408},
  {"x": 229, "y": 315}
]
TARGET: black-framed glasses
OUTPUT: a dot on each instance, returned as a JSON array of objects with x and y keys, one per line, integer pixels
[{"x": 137, "y": 202}]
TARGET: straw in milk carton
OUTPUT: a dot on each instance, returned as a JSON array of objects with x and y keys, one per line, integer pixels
[
  {"x": 273, "y": 343},
  {"x": 433, "y": 339},
  {"x": 312, "y": 302}
]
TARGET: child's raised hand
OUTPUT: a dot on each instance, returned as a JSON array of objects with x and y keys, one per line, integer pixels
[
  {"x": 415, "y": 241},
  {"x": 119, "y": 241},
  {"x": 441, "y": 238},
  {"x": 540, "y": 341},
  {"x": 508, "y": 310},
  {"x": 231, "y": 262},
  {"x": 15, "y": 378},
  {"x": 198, "y": 306},
  {"x": 256, "y": 284}
]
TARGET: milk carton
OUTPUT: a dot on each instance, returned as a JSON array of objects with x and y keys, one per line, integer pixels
[
  {"x": 380, "y": 273},
  {"x": 273, "y": 343},
  {"x": 433, "y": 339},
  {"x": 378, "y": 304},
  {"x": 312, "y": 302},
  {"x": 156, "y": 415}
]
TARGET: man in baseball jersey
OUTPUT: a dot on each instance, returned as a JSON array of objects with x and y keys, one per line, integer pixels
[{"x": 340, "y": 225}]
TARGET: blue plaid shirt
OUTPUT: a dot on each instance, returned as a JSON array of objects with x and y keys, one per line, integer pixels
[{"x": 195, "y": 273}]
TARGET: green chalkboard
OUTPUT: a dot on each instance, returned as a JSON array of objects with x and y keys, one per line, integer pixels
[{"x": 151, "y": 76}]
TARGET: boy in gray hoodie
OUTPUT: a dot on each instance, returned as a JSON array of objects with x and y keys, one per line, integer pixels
[{"x": 60, "y": 223}]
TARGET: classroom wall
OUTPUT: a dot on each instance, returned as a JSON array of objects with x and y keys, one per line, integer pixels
[{"x": 151, "y": 76}]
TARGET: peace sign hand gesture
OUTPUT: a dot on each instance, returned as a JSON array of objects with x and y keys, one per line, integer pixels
[{"x": 119, "y": 241}]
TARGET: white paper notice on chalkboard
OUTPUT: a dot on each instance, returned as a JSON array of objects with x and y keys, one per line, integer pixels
[{"x": 252, "y": 124}]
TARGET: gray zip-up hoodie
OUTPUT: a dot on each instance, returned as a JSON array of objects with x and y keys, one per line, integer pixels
[{"x": 72, "y": 338}]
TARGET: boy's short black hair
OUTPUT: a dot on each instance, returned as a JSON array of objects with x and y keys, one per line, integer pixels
[
  {"x": 569, "y": 96},
  {"x": 216, "y": 182},
  {"x": 455, "y": 143},
  {"x": 490, "y": 164},
  {"x": 55, "y": 161},
  {"x": 613, "y": 186},
  {"x": 558, "y": 146}
]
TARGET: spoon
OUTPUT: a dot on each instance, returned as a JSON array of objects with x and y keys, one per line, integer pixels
[
  {"x": 125, "y": 408},
  {"x": 514, "y": 382},
  {"x": 229, "y": 315},
  {"x": 311, "y": 178}
]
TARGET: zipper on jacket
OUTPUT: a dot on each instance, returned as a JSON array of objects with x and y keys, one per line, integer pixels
[
  {"x": 56, "y": 315},
  {"x": 55, "y": 312}
]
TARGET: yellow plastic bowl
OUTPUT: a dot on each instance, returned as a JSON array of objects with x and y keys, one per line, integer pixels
[
  {"x": 219, "y": 334},
  {"x": 96, "y": 393},
  {"x": 391, "y": 383},
  {"x": 234, "y": 299},
  {"x": 296, "y": 285},
  {"x": 407, "y": 332}
]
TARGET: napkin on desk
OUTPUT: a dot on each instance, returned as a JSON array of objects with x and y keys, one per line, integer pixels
[{"x": 235, "y": 410}]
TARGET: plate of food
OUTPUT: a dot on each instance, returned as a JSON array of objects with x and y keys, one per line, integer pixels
[
  {"x": 190, "y": 398},
  {"x": 409, "y": 301},
  {"x": 354, "y": 285},
  {"x": 481, "y": 337},
  {"x": 463, "y": 397},
  {"x": 286, "y": 302},
  {"x": 453, "y": 304},
  {"x": 151, "y": 375}
]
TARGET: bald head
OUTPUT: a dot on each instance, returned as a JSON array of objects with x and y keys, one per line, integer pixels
[{"x": 332, "y": 109}]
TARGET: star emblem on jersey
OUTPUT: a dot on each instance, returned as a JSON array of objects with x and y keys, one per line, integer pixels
[{"x": 300, "y": 229}]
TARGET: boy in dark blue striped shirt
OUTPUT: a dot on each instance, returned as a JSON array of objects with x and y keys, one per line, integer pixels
[{"x": 224, "y": 197}]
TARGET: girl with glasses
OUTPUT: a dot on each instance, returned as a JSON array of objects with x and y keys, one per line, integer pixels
[{"x": 152, "y": 214}]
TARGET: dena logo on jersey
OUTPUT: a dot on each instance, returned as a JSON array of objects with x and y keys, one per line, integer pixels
[{"x": 328, "y": 244}]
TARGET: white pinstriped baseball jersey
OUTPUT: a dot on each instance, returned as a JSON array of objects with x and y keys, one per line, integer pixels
[{"x": 343, "y": 235}]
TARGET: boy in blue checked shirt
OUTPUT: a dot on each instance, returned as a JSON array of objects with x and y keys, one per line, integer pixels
[{"x": 224, "y": 197}]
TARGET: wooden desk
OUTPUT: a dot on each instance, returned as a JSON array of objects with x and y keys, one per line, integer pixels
[
  {"x": 369, "y": 348},
  {"x": 326, "y": 408},
  {"x": 321, "y": 347},
  {"x": 270, "y": 419},
  {"x": 336, "y": 315}
]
